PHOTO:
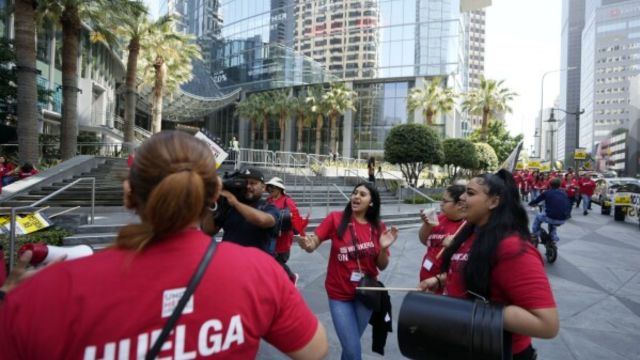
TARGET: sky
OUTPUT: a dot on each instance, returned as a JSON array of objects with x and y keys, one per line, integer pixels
[{"x": 522, "y": 43}]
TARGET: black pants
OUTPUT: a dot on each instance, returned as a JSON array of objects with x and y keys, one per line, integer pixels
[
  {"x": 282, "y": 259},
  {"x": 526, "y": 354}
]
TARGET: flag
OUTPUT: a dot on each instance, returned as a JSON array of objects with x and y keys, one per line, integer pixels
[{"x": 510, "y": 163}]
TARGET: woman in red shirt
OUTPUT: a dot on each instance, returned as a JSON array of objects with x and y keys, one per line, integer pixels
[
  {"x": 123, "y": 296},
  {"x": 493, "y": 258},
  {"x": 359, "y": 246},
  {"x": 438, "y": 236}
]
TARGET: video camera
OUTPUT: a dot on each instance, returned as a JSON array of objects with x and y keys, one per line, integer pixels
[{"x": 236, "y": 185}]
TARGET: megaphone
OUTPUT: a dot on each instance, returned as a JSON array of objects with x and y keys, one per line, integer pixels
[{"x": 44, "y": 254}]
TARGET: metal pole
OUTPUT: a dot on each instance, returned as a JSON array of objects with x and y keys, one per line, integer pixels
[
  {"x": 327, "y": 199},
  {"x": 93, "y": 200},
  {"x": 12, "y": 238}
]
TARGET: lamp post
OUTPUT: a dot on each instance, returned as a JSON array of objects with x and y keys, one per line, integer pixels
[
  {"x": 542, "y": 92},
  {"x": 577, "y": 115},
  {"x": 552, "y": 129}
]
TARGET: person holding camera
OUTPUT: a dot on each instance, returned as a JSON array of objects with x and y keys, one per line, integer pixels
[
  {"x": 493, "y": 258},
  {"x": 290, "y": 223},
  {"x": 359, "y": 248},
  {"x": 118, "y": 300},
  {"x": 245, "y": 217}
]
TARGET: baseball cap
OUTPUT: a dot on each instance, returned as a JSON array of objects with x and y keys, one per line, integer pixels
[{"x": 251, "y": 173}]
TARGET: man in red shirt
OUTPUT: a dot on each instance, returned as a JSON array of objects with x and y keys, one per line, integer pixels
[{"x": 587, "y": 186}]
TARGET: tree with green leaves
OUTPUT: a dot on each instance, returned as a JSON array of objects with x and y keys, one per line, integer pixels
[
  {"x": 167, "y": 65},
  {"x": 458, "y": 154},
  {"x": 303, "y": 116},
  {"x": 282, "y": 107},
  {"x": 70, "y": 14},
  {"x": 248, "y": 108},
  {"x": 431, "y": 100},
  {"x": 263, "y": 104},
  {"x": 486, "y": 158},
  {"x": 135, "y": 30},
  {"x": 413, "y": 147},
  {"x": 499, "y": 138},
  {"x": 317, "y": 108},
  {"x": 488, "y": 100},
  {"x": 336, "y": 101},
  {"x": 26, "y": 80}
]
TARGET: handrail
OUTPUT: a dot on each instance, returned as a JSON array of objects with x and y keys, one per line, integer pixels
[
  {"x": 14, "y": 212},
  {"x": 347, "y": 171},
  {"x": 412, "y": 188},
  {"x": 341, "y": 192}
]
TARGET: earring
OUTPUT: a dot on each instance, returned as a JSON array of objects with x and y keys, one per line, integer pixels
[
  {"x": 370, "y": 204},
  {"x": 214, "y": 208}
]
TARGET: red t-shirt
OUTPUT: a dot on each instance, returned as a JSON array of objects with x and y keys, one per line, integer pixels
[
  {"x": 285, "y": 239},
  {"x": 430, "y": 264},
  {"x": 570, "y": 187},
  {"x": 342, "y": 258},
  {"x": 517, "y": 278},
  {"x": 587, "y": 187},
  {"x": 117, "y": 301},
  {"x": 26, "y": 174}
]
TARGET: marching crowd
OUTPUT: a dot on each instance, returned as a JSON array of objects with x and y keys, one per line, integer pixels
[{"x": 167, "y": 288}]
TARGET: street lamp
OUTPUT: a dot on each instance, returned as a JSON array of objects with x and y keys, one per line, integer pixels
[
  {"x": 542, "y": 90},
  {"x": 552, "y": 129},
  {"x": 577, "y": 115}
]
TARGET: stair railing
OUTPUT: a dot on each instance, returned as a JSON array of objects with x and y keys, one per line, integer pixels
[
  {"x": 33, "y": 206},
  {"x": 413, "y": 189}
]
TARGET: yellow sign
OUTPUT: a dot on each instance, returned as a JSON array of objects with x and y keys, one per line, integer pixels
[
  {"x": 622, "y": 200},
  {"x": 580, "y": 154},
  {"x": 545, "y": 166},
  {"x": 519, "y": 165},
  {"x": 25, "y": 224},
  {"x": 534, "y": 164}
]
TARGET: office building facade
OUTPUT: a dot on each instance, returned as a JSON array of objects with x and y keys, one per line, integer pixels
[
  {"x": 610, "y": 58},
  {"x": 381, "y": 48}
]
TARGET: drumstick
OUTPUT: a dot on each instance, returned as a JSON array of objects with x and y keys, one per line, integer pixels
[
  {"x": 385, "y": 288},
  {"x": 454, "y": 235}
]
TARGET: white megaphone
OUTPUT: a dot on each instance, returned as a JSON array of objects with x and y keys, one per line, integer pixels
[{"x": 44, "y": 254}]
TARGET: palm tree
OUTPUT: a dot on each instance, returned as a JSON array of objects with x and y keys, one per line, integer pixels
[
  {"x": 337, "y": 100},
  {"x": 317, "y": 107},
  {"x": 135, "y": 29},
  {"x": 431, "y": 100},
  {"x": 27, "y": 96},
  {"x": 304, "y": 116},
  {"x": 263, "y": 104},
  {"x": 71, "y": 14},
  {"x": 167, "y": 65},
  {"x": 281, "y": 106},
  {"x": 488, "y": 99},
  {"x": 248, "y": 108}
]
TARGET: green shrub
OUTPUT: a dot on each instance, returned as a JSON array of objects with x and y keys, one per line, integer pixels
[{"x": 50, "y": 236}]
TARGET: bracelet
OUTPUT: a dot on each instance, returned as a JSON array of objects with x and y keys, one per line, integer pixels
[{"x": 439, "y": 282}]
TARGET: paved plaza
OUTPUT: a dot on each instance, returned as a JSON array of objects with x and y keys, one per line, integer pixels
[{"x": 596, "y": 283}]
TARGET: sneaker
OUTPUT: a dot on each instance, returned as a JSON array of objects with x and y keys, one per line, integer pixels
[{"x": 585, "y": 212}]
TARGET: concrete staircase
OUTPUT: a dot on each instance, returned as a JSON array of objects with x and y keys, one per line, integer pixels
[
  {"x": 101, "y": 236},
  {"x": 109, "y": 175}
]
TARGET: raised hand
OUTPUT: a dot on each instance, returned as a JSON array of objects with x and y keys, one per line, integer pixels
[{"x": 388, "y": 237}]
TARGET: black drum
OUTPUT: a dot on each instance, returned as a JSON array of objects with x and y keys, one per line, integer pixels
[{"x": 440, "y": 327}]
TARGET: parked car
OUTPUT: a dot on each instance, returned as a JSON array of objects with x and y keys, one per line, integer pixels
[
  {"x": 605, "y": 190},
  {"x": 626, "y": 201}
]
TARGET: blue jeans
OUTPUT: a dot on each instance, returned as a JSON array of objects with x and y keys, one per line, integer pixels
[
  {"x": 350, "y": 318},
  {"x": 542, "y": 218},
  {"x": 586, "y": 201}
]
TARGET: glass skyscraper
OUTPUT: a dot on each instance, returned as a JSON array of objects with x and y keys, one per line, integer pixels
[{"x": 381, "y": 48}]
